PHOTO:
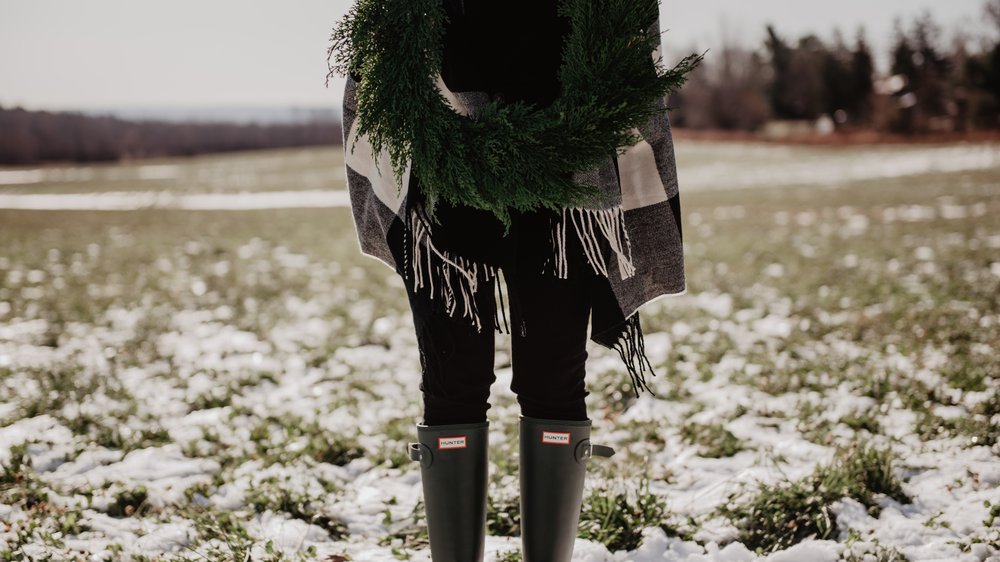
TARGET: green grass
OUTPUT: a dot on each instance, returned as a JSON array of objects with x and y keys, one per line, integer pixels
[
  {"x": 277, "y": 169},
  {"x": 777, "y": 516},
  {"x": 616, "y": 517},
  {"x": 715, "y": 440},
  {"x": 828, "y": 300}
]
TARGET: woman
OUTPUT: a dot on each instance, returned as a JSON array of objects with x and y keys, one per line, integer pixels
[{"x": 561, "y": 270}]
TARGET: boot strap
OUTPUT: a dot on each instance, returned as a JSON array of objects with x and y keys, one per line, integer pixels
[
  {"x": 585, "y": 449},
  {"x": 420, "y": 452},
  {"x": 601, "y": 451}
]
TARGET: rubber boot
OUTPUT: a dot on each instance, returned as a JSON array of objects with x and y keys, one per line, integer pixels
[
  {"x": 454, "y": 469},
  {"x": 553, "y": 464}
]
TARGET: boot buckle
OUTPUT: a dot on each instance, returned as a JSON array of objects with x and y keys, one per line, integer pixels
[{"x": 420, "y": 452}]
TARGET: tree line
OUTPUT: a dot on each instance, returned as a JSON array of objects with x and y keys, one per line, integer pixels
[
  {"x": 930, "y": 86},
  {"x": 32, "y": 137}
]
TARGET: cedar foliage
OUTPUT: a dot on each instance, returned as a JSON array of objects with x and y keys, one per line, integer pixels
[{"x": 510, "y": 155}]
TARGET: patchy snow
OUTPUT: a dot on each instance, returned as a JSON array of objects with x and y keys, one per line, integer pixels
[
  {"x": 750, "y": 165},
  {"x": 289, "y": 406},
  {"x": 134, "y": 200}
]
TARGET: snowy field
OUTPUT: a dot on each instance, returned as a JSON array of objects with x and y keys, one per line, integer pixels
[{"x": 194, "y": 385}]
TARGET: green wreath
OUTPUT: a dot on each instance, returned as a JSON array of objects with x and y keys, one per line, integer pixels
[{"x": 510, "y": 155}]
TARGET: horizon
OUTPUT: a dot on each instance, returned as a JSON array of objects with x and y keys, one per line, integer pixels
[{"x": 116, "y": 65}]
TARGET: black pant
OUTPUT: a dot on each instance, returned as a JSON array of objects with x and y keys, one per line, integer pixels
[{"x": 549, "y": 320}]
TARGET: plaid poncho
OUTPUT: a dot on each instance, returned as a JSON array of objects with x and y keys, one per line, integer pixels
[{"x": 634, "y": 241}]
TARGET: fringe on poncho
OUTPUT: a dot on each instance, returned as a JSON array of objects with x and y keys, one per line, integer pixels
[{"x": 633, "y": 241}]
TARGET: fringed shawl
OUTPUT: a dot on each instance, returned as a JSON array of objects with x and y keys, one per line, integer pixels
[{"x": 633, "y": 241}]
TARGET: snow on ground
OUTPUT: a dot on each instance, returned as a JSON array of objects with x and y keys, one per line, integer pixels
[
  {"x": 190, "y": 386},
  {"x": 132, "y": 200},
  {"x": 742, "y": 165}
]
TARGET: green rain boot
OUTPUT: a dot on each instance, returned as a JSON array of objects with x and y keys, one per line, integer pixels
[
  {"x": 553, "y": 464},
  {"x": 454, "y": 468}
]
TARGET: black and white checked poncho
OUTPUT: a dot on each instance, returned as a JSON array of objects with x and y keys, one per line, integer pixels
[{"x": 634, "y": 241}]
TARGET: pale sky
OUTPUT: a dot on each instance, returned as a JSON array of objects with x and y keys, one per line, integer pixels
[{"x": 69, "y": 54}]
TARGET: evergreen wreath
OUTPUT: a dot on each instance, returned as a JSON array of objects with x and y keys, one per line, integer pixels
[{"x": 510, "y": 155}]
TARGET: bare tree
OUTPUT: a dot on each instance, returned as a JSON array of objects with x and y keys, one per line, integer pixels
[
  {"x": 992, "y": 10},
  {"x": 30, "y": 137}
]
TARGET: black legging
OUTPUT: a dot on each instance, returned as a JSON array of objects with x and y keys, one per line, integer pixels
[{"x": 549, "y": 327}]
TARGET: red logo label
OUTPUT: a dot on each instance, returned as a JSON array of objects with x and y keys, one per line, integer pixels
[
  {"x": 456, "y": 442},
  {"x": 555, "y": 437}
]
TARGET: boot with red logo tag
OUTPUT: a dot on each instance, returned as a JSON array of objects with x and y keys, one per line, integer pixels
[
  {"x": 454, "y": 466},
  {"x": 553, "y": 465}
]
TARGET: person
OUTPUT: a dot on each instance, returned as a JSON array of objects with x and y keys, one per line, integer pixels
[{"x": 564, "y": 271}]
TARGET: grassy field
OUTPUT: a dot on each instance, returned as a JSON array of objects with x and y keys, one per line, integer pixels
[
  {"x": 266, "y": 170},
  {"x": 235, "y": 385}
]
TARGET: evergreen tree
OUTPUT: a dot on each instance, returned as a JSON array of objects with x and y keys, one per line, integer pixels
[
  {"x": 981, "y": 78},
  {"x": 919, "y": 60},
  {"x": 903, "y": 64},
  {"x": 809, "y": 94},
  {"x": 838, "y": 90},
  {"x": 796, "y": 88},
  {"x": 991, "y": 58},
  {"x": 782, "y": 77},
  {"x": 933, "y": 88},
  {"x": 862, "y": 78}
]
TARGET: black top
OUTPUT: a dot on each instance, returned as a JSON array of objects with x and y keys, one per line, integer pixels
[
  {"x": 508, "y": 47},
  {"x": 511, "y": 49}
]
